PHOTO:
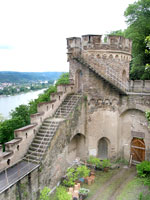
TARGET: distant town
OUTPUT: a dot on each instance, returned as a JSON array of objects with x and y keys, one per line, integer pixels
[
  {"x": 19, "y": 82},
  {"x": 16, "y": 88}
]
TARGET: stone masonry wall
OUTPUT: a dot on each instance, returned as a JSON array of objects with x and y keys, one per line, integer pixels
[{"x": 55, "y": 162}]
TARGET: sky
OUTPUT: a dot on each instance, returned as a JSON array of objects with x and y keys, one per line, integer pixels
[{"x": 33, "y": 32}]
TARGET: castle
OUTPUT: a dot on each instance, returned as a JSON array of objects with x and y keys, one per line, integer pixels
[{"x": 100, "y": 113}]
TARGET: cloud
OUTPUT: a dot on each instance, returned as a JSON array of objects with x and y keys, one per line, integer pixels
[{"x": 36, "y": 30}]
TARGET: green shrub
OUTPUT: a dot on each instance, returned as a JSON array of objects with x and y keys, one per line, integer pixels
[
  {"x": 74, "y": 174},
  {"x": 82, "y": 171},
  {"x": 147, "y": 181},
  {"x": 71, "y": 177},
  {"x": 106, "y": 163},
  {"x": 62, "y": 194},
  {"x": 44, "y": 194},
  {"x": 94, "y": 161},
  {"x": 144, "y": 197},
  {"x": 143, "y": 169},
  {"x": 83, "y": 191}
]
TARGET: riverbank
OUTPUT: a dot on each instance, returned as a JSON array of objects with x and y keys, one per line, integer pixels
[
  {"x": 8, "y": 103},
  {"x": 24, "y": 92}
]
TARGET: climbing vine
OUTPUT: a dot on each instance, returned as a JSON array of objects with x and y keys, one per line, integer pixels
[{"x": 147, "y": 115}]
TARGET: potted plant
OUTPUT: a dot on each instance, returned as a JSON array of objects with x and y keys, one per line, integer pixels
[
  {"x": 74, "y": 174},
  {"x": 106, "y": 165},
  {"x": 94, "y": 162},
  {"x": 82, "y": 171},
  {"x": 83, "y": 193}
]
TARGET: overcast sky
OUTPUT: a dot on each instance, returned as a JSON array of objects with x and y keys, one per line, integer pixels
[{"x": 33, "y": 32}]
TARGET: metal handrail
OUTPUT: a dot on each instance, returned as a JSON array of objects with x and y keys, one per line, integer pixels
[
  {"x": 41, "y": 141},
  {"x": 59, "y": 111},
  {"x": 8, "y": 177}
]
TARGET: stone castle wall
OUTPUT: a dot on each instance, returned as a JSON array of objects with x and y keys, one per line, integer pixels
[
  {"x": 17, "y": 148},
  {"x": 57, "y": 159},
  {"x": 109, "y": 112}
]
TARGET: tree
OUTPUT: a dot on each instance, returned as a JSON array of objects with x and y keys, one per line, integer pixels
[
  {"x": 118, "y": 32},
  {"x": 64, "y": 79},
  {"x": 1, "y": 118},
  {"x": 22, "y": 111},
  {"x": 138, "y": 18},
  {"x": 7, "y": 128}
]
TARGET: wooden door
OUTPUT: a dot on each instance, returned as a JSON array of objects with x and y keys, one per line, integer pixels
[{"x": 138, "y": 150}]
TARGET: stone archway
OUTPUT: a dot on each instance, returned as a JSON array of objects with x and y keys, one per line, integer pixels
[
  {"x": 78, "y": 81},
  {"x": 103, "y": 148},
  {"x": 133, "y": 124},
  {"x": 76, "y": 148}
]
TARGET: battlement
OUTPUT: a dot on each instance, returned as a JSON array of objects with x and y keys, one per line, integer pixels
[
  {"x": 139, "y": 86},
  {"x": 23, "y": 137},
  {"x": 94, "y": 42}
]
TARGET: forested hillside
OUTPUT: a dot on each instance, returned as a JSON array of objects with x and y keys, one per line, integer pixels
[{"x": 22, "y": 77}]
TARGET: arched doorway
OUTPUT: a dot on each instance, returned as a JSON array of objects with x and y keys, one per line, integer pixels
[
  {"x": 138, "y": 150},
  {"x": 103, "y": 148},
  {"x": 79, "y": 84},
  {"x": 77, "y": 147}
]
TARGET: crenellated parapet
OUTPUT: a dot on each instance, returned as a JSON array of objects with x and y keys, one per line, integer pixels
[
  {"x": 139, "y": 86},
  {"x": 23, "y": 137},
  {"x": 114, "y": 44}
]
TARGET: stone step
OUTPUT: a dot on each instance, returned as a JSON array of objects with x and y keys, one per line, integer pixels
[
  {"x": 45, "y": 133},
  {"x": 35, "y": 153},
  {"x": 43, "y": 140},
  {"x": 60, "y": 116},
  {"x": 35, "y": 148},
  {"x": 49, "y": 128},
  {"x": 36, "y": 145},
  {"x": 67, "y": 106},
  {"x": 44, "y": 130},
  {"x": 48, "y": 133},
  {"x": 32, "y": 157},
  {"x": 31, "y": 160},
  {"x": 49, "y": 124},
  {"x": 53, "y": 123}
]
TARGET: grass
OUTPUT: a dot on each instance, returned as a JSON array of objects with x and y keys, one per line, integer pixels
[
  {"x": 100, "y": 179},
  {"x": 133, "y": 189}
]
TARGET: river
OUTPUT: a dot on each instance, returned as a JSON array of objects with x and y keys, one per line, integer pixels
[{"x": 8, "y": 103}]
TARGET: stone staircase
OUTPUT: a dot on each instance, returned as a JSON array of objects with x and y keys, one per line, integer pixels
[
  {"x": 106, "y": 73},
  {"x": 67, "y": 106},
  {"x": 46, "y": 132}
]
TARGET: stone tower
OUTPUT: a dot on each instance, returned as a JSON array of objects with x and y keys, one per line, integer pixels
[{"x": 110, "y": 60}]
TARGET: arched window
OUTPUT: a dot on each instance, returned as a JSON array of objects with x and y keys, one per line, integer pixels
[{"x": 124, "y": 76}]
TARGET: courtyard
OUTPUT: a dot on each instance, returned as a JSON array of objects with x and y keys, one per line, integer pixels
[{"x": 121, "y": 183}]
